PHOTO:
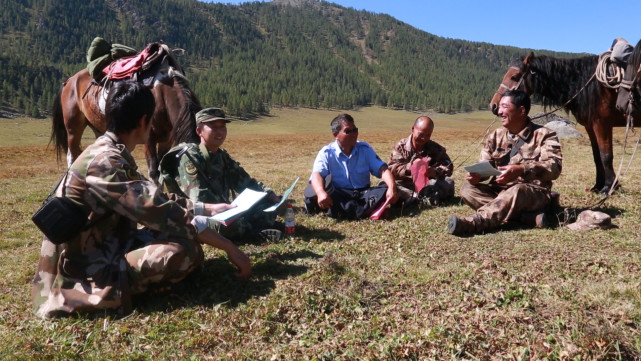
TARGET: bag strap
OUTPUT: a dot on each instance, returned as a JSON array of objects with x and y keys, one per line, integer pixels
[
  {"x": 516, "y": 147},
  {"x": 64, "y": 176},
  {"x": 53, "y": 191}
]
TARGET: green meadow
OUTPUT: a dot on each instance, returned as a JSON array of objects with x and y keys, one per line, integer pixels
[{"x": 396, "y": 289}]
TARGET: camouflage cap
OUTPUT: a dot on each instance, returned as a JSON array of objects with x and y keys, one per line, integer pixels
[
  {"x": 588, "y": 220},
  {"x": 209, "y": 115}
]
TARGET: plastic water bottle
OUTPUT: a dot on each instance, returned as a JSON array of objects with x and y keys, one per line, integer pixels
[{"x": 290, "y": 222}]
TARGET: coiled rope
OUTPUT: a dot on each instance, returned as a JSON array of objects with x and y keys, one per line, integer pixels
[{"x": 612, "y": 81}]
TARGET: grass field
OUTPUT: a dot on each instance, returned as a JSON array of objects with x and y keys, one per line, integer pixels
[{"x": 398, "y": 289}]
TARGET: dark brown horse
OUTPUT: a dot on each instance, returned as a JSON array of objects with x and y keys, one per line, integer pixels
[
  {"x": 571, "y": 85},
  {"x": 173, "y": 120}
]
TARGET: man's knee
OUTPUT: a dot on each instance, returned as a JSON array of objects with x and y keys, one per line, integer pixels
[
  {"x": 172, "y": 256},
  {"x": 467, "y": 193}
]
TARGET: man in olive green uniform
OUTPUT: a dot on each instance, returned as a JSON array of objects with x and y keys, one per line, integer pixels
[
  {"x": 205, "y": 172},
  {"x": 529, "y": 157},
  {"x": 112, "y": 259},
  {"x": 418, "y": 147}
]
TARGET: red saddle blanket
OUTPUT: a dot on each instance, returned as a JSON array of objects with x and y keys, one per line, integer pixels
[{"x": 125, "y": 68}]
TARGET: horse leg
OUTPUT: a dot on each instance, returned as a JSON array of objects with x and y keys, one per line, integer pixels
[
  {"x": 151, "y": 155},
  {"x": 596, "y": 155},
  {"x": 603, "y": 134},
  {"x": 75, "y": 123},
  {"x": 602, "y": 131},
  {"x": 74, "y": 112}
]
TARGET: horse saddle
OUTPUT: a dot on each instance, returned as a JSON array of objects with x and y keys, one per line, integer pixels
[{"x": 129, "y": 68}]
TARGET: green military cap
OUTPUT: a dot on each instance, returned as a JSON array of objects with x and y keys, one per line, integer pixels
[{"x": 209, "y": 115}]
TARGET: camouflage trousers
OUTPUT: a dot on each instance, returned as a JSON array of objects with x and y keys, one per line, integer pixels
[
  {"x": 496, "y": 204},
  {"x": 161, "y": 258}
]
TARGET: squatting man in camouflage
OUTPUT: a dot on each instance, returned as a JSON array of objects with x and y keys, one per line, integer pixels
[
  {"x": 104, "y": 265},
  {"x": 409, "y": 152},
  {"x": 205, "y": 172},
  {"x": 529, "y": 157}
]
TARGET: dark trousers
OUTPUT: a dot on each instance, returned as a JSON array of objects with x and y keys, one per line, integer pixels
[{"x": 348, "y": 203}]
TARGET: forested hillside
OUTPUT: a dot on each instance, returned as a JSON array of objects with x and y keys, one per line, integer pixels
[{"x": 251, "y": 57}]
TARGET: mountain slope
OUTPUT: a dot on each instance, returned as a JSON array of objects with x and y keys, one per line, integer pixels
[{"x": 250, "y": 57}]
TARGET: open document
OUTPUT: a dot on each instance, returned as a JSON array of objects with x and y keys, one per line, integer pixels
[
  {"x": 243, "y": 203},
  {"x": 483, "y": 168},
  {"x": 245, "y": 200},
  {"x": 283, "y": 198}
]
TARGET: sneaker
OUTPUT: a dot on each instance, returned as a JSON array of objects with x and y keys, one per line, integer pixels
[
  {"x": 272, "y": 235},
  {"x": 429, "y": 195},
  {"x": 409, "y": 201}
]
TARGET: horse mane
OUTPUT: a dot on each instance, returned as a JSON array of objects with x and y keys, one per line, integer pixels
[
  {"x": 184, "y": 127},
  {"x": 633, "y": 63},
  {"x": 555, "y": 81}
]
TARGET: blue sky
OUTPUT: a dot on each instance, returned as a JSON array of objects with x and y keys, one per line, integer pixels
[{"x": 576, "y": 26}]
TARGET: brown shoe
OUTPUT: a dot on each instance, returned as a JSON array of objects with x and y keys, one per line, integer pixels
[{"x": 534, "y": 219}]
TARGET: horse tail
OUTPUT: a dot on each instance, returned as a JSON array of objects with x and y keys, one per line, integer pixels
[{"x": 58, "y": 130}]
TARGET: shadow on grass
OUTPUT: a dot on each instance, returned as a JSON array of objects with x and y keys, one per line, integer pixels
[
  {"x": 415, "y": 209},
  {"x": 323, "y": 234},
  {"x": 216, "y": 283}
]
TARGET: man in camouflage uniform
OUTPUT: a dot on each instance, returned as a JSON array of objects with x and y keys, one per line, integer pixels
[
  {"x": 408, "y": 152},
  {"x": 205, "y": 172},
  {"x": 112, "y": 259},
  {"x": 529, "y": 157}
]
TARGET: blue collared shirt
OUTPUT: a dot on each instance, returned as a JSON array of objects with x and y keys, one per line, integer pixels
[{"x": 348, "y": 171}]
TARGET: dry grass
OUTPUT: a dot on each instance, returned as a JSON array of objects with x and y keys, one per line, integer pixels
[{"x": 396, "y": 289}]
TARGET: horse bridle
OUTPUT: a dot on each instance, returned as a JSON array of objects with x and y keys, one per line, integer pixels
[{"x": 518, "y": 84}]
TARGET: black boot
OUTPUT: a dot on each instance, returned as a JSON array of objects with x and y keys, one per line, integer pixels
[{"x": 534, "y": 219}]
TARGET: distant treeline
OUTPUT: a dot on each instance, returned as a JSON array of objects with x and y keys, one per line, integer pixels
[{"x": 251, "y": 57}]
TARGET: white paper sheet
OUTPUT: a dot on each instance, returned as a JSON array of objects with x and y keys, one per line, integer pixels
[{"x": 484, "y": 169}]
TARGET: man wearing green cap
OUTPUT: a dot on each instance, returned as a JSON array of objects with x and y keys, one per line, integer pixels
[{"x": 206, "y": 173}]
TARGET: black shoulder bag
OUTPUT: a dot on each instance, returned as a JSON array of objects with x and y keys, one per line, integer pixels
[{"x": 59, "y": 218}]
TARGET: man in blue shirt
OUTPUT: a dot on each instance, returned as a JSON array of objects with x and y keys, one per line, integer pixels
[{"x": 340, "y": 180}]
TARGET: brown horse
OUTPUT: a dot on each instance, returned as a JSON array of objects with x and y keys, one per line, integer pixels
[
  {"x": 173, "y": 121},
  {"x": 571, "y": 84}
]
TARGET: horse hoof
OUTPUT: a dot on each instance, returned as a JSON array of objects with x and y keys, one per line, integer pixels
[{"x": 597, "y": 189}]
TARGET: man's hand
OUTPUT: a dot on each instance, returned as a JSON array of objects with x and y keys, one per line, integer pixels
[
  {"x": 391, "y": 194},
  {"x": 273, "y": 197},
  {"x": 510, "y": 173},
  {"x": 473, "y": 178},
  {"x": 324, "y": 200},
  {"x": 236, "y": 256},
  {"x": 212, "y": 209},
  {"x": 440, "y": 171},
  {"x": 241, "y": 261},
  {"x": 430, "y": 172}
]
